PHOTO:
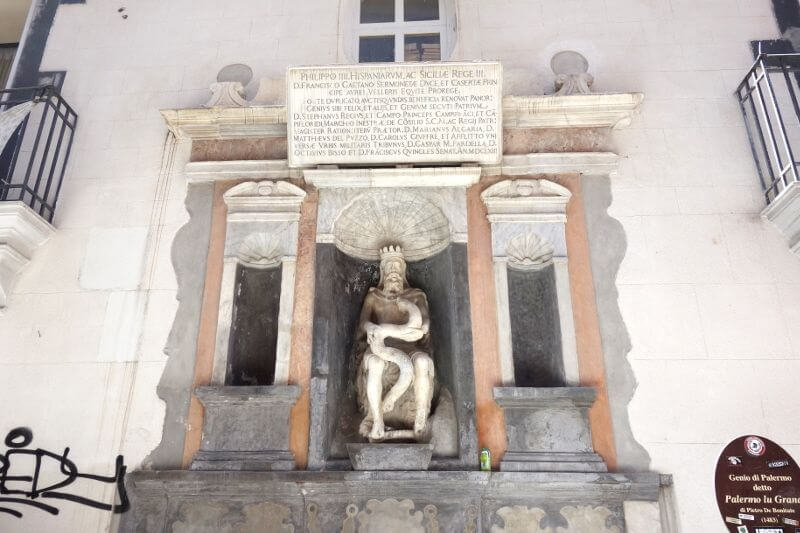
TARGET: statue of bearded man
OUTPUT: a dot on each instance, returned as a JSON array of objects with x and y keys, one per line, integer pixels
[{"x": 395, "y": 382}]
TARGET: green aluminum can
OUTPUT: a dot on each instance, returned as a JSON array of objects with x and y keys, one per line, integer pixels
[{"x": 486, "y": 460}]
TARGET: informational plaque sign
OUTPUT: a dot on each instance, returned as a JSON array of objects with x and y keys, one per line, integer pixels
[
  {"x": 395, "y": 113},
  {"x": 758, "y": 487}
]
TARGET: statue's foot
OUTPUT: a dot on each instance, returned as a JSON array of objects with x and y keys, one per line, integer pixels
[
  {"x": 419, "y": 425},
  {"x": 365, "y": 428},
  {"x": 377, "y": 432}
]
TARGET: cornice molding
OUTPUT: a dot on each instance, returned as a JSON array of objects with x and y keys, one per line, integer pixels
[
  {"x": 589, "y": 163},
  {"x": 219, "y": 123},
  {"x": 271, "y": 169},
  {"x": 392, "y": 177},
  {"x": 613, "y": 110}
]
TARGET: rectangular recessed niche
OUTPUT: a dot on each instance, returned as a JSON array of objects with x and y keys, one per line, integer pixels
[
  {"x": 254, "y": 327},
  {"x": 535, "y": 328}
]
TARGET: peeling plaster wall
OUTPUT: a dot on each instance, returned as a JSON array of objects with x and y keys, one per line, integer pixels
[{"x": 708, "y": 292}]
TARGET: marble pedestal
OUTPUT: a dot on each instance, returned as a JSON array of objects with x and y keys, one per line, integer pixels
[
  {"x": 246, "y": 428},
  {"x": 390, "y": 456},
  {"x": 548, "y": 429}
]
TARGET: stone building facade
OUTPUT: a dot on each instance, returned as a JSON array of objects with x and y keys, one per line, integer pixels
[{"x": 617, "y": 235}]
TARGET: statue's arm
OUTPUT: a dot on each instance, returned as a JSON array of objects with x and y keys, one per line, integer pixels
[
  {"x": 365, "y": 319},
  {"x": 422, "y": 303}
]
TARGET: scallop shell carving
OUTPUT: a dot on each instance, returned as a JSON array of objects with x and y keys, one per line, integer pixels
[
  {"x": 391, "y": 217},
  {"x": 529, "y": 252},
  {"x": 260, "y": 250}
]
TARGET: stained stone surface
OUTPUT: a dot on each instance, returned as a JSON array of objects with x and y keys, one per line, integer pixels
[
  {"x": 535, "y": 328},
  {"x": 254, "y": 330},
  {"x": 383, "y": 502},
  {"x": 390, "y": 456}
]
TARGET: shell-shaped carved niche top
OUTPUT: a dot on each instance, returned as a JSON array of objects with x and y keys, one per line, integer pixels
[
  {"x": 529, "y": 251},
  {"x": 526, "y": 196},
  {"x": 266, "y": 195},
  {"x": 260, "y": 250},
  {"x": 383, "y": 217}
]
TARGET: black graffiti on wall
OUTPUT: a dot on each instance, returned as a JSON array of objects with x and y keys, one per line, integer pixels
[{"x": 22, "y": 469}]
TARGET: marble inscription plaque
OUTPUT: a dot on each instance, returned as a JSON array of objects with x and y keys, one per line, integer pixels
[{"x": 387, "y": 113}]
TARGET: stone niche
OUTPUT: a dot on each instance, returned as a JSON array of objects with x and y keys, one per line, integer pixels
[
  {"x": 247, "y": 406},
  {"x": 546, "y": 415},
  {"x": 430, "y": 225}
]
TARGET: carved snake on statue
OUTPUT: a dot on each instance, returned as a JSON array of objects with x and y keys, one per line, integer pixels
[{"x": 410, "y": 331}]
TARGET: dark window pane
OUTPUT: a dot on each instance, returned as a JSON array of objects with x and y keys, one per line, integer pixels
[
  {"x": 377, "y": 11},
  {"x": 423, "y": 47},
  {"x": 421, "y": 9},
  {"x": 376, "y": 49}
]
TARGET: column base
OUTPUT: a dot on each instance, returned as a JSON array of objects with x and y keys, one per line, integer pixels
[
  {"x": 279, "y": 460},
  {"x": 246, "y": 428},
  {"x": 552, "y": 462},
  {"x": 548, "y": 429}
]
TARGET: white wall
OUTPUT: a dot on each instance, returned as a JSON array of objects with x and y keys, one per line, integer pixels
[
  {"x": 710, "y": 293},
  {"x": 706, "y": 288}
]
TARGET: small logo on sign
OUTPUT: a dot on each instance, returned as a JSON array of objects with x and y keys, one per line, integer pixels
[
  {"x": 778, "y": 464},
  {"x": 745, "y": 516},
  {"x": 754, "y": 446},
  {"x": 734, "y": 460},
  {"x": 791, "y": 522},
  {"x": 741, "y": 529},
  {"x": 732, "y": 520}
]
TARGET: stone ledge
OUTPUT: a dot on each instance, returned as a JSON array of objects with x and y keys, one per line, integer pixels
[
  {"x": 532, "y": 397},
  {"x": 330, "y": 501},
  {"x": 227, "y": 122},
  {"x": 205, "y": 171},
  {"x": 280, "y": 460},
  {"x": 589, "y": 163},
  {"x": 457, "y": 176},
  {"x": 541, "y": 111},
  {"x": 613, "y": 110},
  {"x": 552, "y": 462},
  {"x": 22, "y": 231},
  {"x": 271, "y": 394},
  {"x": 560, "y": 485}
]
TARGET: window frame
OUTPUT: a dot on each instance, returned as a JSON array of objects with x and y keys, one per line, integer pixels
[{"x": 400, "y": 28}]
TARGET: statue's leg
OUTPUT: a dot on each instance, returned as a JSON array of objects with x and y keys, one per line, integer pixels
[
  {"x": 403, "y": 362},
  {"x": 423, "y": 389},
  {"x": 375, "y": 368}
]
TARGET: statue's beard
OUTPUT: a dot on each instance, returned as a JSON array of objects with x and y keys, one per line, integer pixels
[{"x": 393, "y": 287}]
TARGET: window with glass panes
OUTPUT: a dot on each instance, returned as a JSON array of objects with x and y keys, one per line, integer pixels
[{"x": 399, "y": 30}]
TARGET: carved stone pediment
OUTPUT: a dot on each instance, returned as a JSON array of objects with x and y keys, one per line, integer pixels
[
  {"x": 264, "y": 197},
  {"x": 526, "y": 200}
]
